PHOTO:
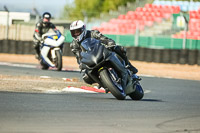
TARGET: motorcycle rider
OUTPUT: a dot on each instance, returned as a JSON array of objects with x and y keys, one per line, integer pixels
[
  {"x": 42, "y": 27},
  {"x": 79, "y": 33}
]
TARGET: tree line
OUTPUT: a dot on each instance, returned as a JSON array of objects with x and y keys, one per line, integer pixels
[{"x": 91, "y": 8}]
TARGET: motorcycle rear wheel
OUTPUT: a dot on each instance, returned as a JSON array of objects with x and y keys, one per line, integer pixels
[{"x": 107, "y": 81}]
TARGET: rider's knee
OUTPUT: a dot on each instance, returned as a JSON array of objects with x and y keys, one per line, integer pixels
[
  {"x": 36, "y": 44},
  {"x": 120, "y": 50}
]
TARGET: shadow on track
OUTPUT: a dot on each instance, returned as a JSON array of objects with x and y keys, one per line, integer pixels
[
  {"x": 152, "y": 100},
  {"x": 142, "y": 100}
]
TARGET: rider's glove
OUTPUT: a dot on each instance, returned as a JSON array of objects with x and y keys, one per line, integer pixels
[
  {"x": 41, "y": 41},
  {"x": 111, "y": 47},
  {"x": 82, "y": 66}
]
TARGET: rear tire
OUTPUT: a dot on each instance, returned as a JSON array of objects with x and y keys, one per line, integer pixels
[
  {"x": 106, "y": 80},
  {"x": 58, "y": 62}
]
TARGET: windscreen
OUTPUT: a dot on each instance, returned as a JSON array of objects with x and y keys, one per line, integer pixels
[{"x": 89, "y": 43}]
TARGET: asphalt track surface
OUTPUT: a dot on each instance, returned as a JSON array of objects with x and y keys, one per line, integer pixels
[{"x": 169, "y": 106}]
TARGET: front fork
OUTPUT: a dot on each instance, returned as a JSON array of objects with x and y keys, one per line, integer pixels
[{"x": 53, "y": 53}]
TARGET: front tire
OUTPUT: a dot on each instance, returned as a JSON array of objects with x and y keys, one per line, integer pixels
[
  {"x": 58, "y": 61},
  {"x": 138, "y": 93},
  {"x": 107, "y": 81},
  {"x": 43, "y": 65}
]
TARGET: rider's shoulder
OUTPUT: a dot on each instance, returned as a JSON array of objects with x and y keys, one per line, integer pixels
[
  {"x": 73, "y": 43},
  {"x": 39, "y": 23},
  {"x": 52, "y": 25},
  {"x": 96, "y": 33}
]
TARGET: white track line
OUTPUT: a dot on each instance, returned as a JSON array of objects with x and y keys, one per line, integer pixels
[
  {"x": 70, "y": 89},
  {"x": 18, "y": 65},
  {"x": 34, "y": 66}
]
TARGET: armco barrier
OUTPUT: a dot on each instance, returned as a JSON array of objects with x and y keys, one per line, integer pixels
[{"x": 175, "y": 56}]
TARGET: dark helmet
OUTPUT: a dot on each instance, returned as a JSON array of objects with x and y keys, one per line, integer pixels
[{"x": 46, "y": 15}]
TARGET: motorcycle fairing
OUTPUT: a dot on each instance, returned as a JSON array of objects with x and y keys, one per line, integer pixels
[
  {"x": 51, "y": 45},
  {"x": 54, "y": 43},
  {"x": 44, "y": 55},
  {"x": 94, "y": 54}
]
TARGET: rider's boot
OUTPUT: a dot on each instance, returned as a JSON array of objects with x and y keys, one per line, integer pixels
[
  {"x": 133, "y": 70},
  {"x": 121, "y": 51},
  {"x": 130, "y": 66},
  {"x": 136, "y": 78}
]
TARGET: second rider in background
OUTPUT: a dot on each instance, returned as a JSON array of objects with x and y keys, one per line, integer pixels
[{"x": 42, "y": 27}]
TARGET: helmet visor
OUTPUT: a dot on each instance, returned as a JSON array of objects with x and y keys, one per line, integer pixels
[
  {"x": 75, "y": 33},
  {"x": 46, "y": 19}
]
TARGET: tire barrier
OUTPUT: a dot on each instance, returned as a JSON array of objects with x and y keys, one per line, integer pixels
[
  {"x": 198, "y": 57},
  {"x": 183, "y": 56},
  {"x": 192, "y": 56},
  {"x": 174, "y": 56},
  {"x": 132, "y": 53},
  {"x": 157, "y": 56},
  {"x": 141, "y": 55},
  {"x": 166, "y": 56},
  {"x": 149, "y": 55}
]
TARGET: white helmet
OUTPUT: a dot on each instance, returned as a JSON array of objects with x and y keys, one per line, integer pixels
[{"x": 78, "y": 30}]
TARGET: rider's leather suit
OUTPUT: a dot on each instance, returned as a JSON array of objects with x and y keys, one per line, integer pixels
[{"x": 40, "y": 29}]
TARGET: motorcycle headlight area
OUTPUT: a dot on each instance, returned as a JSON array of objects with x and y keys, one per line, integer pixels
[{"x": 55, "y": 37}]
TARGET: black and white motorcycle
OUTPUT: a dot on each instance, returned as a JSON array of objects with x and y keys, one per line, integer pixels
[
  {"x": 105, "y": 67},
  {"x": 51, "y": 50}
]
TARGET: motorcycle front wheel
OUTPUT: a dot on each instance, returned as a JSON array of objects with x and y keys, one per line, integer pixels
[
  {"x": 58, "y": 61},
  {"x": 43, "y": 65},
  {"x": 138, "y": 93},
  {"x": 109, "y": 83}
]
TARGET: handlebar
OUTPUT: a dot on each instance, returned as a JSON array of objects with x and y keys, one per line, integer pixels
[{"x": 48, "y": 34}]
